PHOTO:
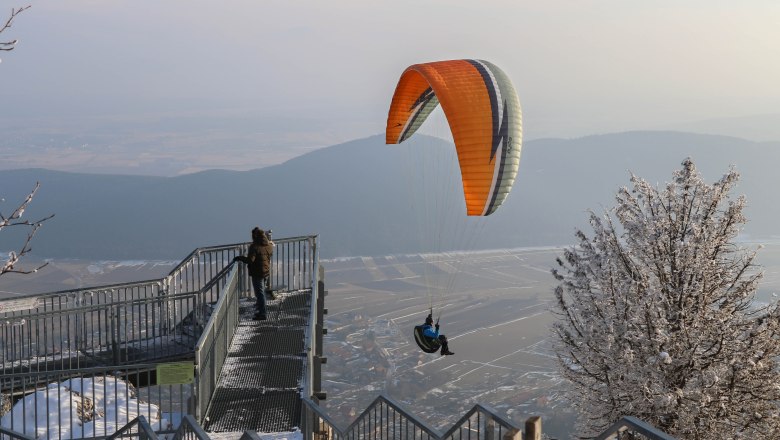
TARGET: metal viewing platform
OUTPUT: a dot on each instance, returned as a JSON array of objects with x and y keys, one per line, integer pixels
[
  {"x": 261, "y": 381},
  {"x": 193, "y": 363},
  {"x": 134, "y": 331}
]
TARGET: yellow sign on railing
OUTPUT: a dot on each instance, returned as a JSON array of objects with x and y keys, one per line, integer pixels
[{"x": 175, "y": 373}]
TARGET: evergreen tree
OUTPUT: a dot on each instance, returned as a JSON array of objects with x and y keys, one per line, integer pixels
[{"x": 657, "y": 319}]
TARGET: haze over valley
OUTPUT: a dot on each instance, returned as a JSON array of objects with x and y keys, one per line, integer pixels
[
  {"x": 155, "y": 128},
  {"x": 365, "y": 198}
]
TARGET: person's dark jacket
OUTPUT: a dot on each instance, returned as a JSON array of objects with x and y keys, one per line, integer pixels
[
  {"x": 429, "y": 332},
  {"x": 258, "y": 257}
]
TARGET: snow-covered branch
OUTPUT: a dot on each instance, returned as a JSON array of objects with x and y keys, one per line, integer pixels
[
  {"x": 656, "y": 316},
  {"x": 14, "y": 219},
  {"x": 11, "y": 44}
]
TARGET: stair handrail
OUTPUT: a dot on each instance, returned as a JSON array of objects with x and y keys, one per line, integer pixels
[
  {"x": 143, "y": 426},
  {"x": 189, "y": 428},
  {"x": 382, "y": 398},
  {"x": 634, "y": 425},
  {"x": 413, "y": 419},
  {"x": 6, "y": 433},
  {"x": 204, "y": 348},
  {"x": 479, "y": 408}
]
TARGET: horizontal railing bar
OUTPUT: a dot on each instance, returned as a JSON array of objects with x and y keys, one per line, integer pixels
[
  {"x": 202, "y": 250},
  {"x": 153, "y": 281},
  {"x": 14, "y": 434},
  {"x": 217, "y": 278},
  {"x": 95, "y": 307},
  {"x": 47, "y": 295},
  {"x": 225, "y": 247},
  {"x": 635, "y": 425},
  {"x": 88, "y": 370}
]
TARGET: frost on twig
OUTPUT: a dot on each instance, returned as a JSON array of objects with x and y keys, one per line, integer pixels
[
  {"x": 14, "y": 219},
  {"x": 7, "y": 45}
]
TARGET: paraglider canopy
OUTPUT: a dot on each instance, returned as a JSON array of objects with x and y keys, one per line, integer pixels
[{"x": 483, "y": 112}]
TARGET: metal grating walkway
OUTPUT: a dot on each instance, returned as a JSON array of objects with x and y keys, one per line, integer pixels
[{"x": 259, "y": 388}]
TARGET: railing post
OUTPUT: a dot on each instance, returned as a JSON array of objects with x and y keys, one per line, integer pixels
[
  {"x": 320, "y": 323},
  {"x": 533, "y": 428},
  {"x": 80, "y": 338},
  {"x": 114, "y": 334},
  {"x": 162, "y": 294},
  {"x": 304, "y": 423},
  {"x": 490, "y": 426},
  {"x": 242, "y": 285},
  {"x": 512, "y": 434}
]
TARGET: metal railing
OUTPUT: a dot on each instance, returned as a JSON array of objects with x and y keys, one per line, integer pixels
[
  {"x": 211, "y": 350},
  {"x": 136, "y": 330},
  {"x": 67, "y": 325},
  {"x": 313, "y": 334},
  {"x": 189, "y": 429},
  {"x": 632, "y": 428},
  {"x": 80, "y": 334},
  {"x": 65, "y": 333},
  {"x": 138, "y": 427},
  {"x": 201, "y": 266},
  {"x": 294, "y": 261},
  {"x": 386, "y": 419},
  {"x": 71, "y": 324},
  {"x": 92, "y": 402},
  {"x": 197, "y": 269}
]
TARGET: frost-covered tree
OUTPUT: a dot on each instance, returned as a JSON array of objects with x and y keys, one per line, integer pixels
[{"x": 657, "y": 318}]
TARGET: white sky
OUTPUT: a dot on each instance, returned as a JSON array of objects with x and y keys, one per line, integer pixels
[{"x": 581, "y": 67}]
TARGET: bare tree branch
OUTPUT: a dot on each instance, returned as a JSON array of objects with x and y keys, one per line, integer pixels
[
  {"x": 10, "y": 265},
  {"x": 15, "y": 219},
  {"x": 9, "y": 45}
]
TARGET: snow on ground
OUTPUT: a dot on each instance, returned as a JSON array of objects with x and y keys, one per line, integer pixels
[{"x": 78, "y": 408}]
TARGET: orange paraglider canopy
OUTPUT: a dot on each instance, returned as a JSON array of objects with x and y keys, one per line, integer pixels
[{"x": 483, "y": 112}]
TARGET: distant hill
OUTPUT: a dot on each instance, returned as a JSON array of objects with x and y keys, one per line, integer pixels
[
  {"x": 762, "y": 127},
  {"x": 357, "y": 197}
]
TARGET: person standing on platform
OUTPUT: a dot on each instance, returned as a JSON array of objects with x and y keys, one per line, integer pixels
[{"x": 258, "y": 259}]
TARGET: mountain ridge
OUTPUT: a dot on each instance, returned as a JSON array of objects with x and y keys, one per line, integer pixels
[{"x": 356, "y": 196}]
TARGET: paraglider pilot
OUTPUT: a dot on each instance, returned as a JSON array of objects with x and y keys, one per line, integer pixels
[{"x": 431, "y": 331}]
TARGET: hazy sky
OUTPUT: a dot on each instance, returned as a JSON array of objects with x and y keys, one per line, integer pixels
[{"x": 293, "y": 75}]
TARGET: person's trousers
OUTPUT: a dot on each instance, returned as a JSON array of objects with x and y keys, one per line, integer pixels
[
  {"x": 443, "y": 342},
  {"x": 258, "y": 285}
]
